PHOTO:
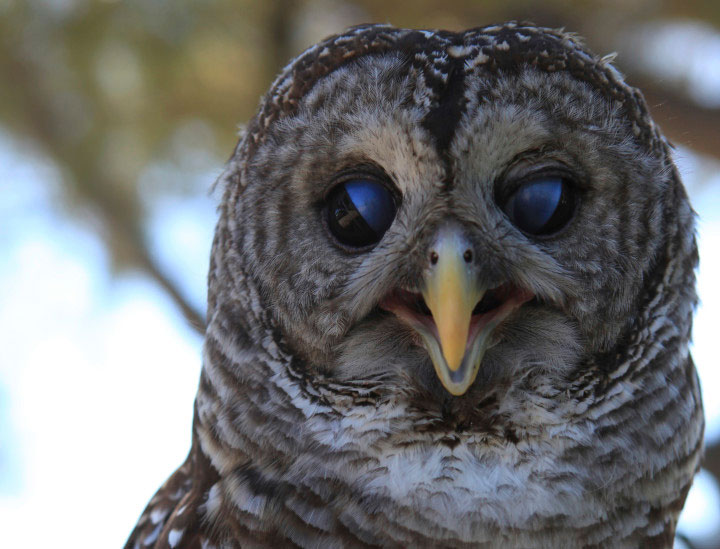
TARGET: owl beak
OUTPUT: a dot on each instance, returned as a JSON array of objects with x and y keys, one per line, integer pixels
[
  {"x": 457, "y": 339},
  {"x": 460, "y": 314},
  {"x": 451, "y": 292}
]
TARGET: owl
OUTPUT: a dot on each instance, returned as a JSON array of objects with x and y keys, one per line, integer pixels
[{"x": 449, "y": 305}]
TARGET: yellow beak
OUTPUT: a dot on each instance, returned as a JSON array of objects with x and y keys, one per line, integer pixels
[
  {"x": 454, "y": 340},
  {"x": 451, "y": 293}
]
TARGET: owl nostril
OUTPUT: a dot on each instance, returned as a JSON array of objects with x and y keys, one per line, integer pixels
[
  {"x": 433, "y": 258},
  {"x": 467, "y": 256}
]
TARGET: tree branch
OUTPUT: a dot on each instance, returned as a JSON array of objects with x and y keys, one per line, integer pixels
[
  {"x": 711, "y": 461},
  {"x": 116, "y": 209}
]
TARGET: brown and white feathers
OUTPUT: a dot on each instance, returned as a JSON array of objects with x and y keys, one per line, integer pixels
[{"x": 337, "y": 409}]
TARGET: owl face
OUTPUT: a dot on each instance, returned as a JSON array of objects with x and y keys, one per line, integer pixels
[{"x": 452, "y": 247}]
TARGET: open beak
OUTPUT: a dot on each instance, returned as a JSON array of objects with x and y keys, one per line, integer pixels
[
  {"x": 463, "y": 313},
  {"x": 451, "y": 293}
]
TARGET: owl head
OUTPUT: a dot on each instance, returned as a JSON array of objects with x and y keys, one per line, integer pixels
[{"x": 451, "y": 216}]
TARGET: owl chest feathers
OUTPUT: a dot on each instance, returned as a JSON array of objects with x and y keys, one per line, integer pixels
[{"x": 295, "y": 455}]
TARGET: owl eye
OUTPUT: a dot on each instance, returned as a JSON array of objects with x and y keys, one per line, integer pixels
[
  {"x": 360, "y": 211},
  {"x": 542, "y": 206}
]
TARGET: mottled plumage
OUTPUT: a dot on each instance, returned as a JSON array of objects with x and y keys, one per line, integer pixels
[{"x": 323, "y": 419}]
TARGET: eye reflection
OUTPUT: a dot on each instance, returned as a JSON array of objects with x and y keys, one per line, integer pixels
[
  {"x": 360, "y": 211},
  {"x": 542, "y": 206}
]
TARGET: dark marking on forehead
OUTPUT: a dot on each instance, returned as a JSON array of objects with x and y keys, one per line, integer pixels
[{"x": 442, "y": 121}]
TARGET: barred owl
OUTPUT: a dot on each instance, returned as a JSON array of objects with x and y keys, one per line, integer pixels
[{"x": 450, "y": 299}]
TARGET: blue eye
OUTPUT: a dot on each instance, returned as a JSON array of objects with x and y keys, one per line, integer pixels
[
  {"x": 542, "y": 206},
  {"x": 360, "y": 211}
]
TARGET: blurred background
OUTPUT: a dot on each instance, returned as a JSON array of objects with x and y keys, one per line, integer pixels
[{"x": 116, "y": 118}]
